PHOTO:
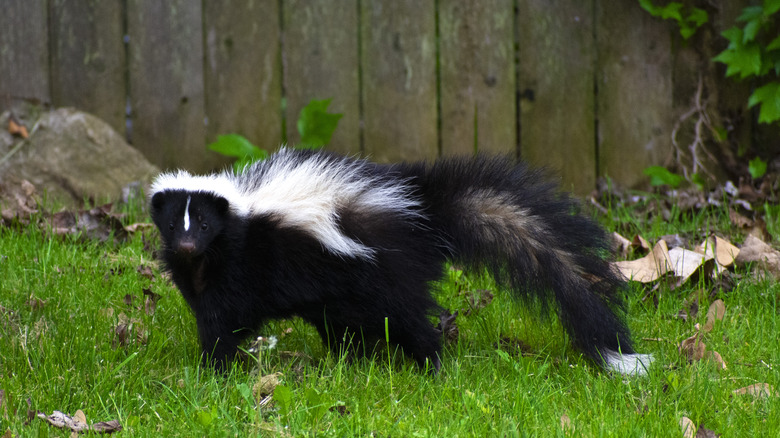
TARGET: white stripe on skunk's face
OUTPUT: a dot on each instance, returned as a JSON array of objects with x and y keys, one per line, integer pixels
[{"x": 187, "y": 214}]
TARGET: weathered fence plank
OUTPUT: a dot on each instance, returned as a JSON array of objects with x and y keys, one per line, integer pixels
[
  {"x": 321, "y": 62},
  {"x": 88, "y": 58},
  {"x": 243, "y": 72},
  {"x": 477, "y": 76},
  {"x": 398, "y": 61},
  {"x": 634, "y": 90},
  {"x": 24, "y": 52},
  {"x": 166, "y": 82},
  {"x": 557, "y": 58}
]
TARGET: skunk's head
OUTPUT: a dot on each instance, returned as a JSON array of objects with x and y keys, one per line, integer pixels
[{"x": 189, "y": 221}]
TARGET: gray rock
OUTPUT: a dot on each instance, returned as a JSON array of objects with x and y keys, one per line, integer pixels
[{"x": 72, "y": 156}]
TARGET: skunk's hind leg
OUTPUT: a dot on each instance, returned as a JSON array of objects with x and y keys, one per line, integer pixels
[{"x": 418, "y": 338}]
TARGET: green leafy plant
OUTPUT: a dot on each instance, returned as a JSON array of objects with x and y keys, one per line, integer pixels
[
  {"x": 689, "y": 19},
  {"x": 660, "y": 176},
  {"x": 315, "y": 125},
  {"x": 754, "y": 51},
  {"x": 757, "y": 167}
]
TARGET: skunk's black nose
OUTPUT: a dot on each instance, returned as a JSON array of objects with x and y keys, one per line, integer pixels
[{"x": 186, "y": 247}]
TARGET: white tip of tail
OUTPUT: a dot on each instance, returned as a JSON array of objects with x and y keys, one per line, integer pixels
[{"x": 631, "y": 364}]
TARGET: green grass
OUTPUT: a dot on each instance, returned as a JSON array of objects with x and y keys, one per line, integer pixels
[{"x": 63, "y": 354}]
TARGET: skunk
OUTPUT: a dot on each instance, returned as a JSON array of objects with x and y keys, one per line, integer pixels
[{"x": 350, "y": 246}]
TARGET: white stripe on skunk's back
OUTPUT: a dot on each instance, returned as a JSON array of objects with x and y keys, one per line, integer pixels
[{"x": 307, "y": 191}]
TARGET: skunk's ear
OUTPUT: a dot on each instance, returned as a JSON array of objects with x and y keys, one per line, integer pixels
[
  {"x": 222, "y": 205},
  {"x": 158, "y": 200}
]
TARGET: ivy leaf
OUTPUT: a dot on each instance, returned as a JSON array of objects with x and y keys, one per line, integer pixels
[
  {"x": 739, "y": 57},
  {"x": 769, "y": 98},
  {"x": 751, "y": 30},
  {"x": 698, "y": 17},
  {"x": 316, "y": 124},
  {"x": 771, "y": 6},
  {"x": 660, "y": 176},
  {"x": 757, "y": 167},
  {"x": 751, "y": 13},
  {"x": 234, "y": 145},
  {"x": 774, "y": 44}
]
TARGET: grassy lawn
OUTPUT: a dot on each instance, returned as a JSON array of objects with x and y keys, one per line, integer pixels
[{"x": 77, "y": 331}]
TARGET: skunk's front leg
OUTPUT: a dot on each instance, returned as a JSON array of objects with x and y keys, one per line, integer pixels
[{"x": 219, "y": 342}]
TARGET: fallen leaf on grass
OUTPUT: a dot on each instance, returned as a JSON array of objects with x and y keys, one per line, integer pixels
[
  {"x": 123, "y": 331},
  {"x": 447, "y": 326},
  {"x": 640, "y": 243},
  {"x": 7, "y": 434},
  {"x": 78, "y": 422},
  {"x": 694, "y": 349},
  {"x": 650, "y": 267},
  {"x": 688, "y": 427},
  {"x": 107, "y": 426},
  {"x": 145, "y": 271},
  {"x": 620, "y": 245},
  {"x": 17, "y": 129},
  {"x": 566, "y": 425},
  {"x": 716, "y": 312},
  {"x": 138, "y": 226},
  {"x": 35, "y": 303},
  {"x": 97, "y": 223},
  {"x": 265, "y": 385},
  {"x": 479, "y": 299},
  {"x": 150, "y": 301},
  {"x": 757, "y": 390},
  {"x": 719, "y": 249},
  {"x": 756, "y": 250},
  {"x": 685, "y": 263}
]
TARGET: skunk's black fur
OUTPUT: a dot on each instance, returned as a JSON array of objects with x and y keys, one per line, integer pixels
[{"x": 345, "y": 243}]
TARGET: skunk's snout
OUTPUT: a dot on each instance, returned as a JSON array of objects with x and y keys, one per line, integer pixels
[{"x": 186, "y": 247}]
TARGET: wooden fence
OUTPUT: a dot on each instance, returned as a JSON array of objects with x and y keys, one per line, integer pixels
[{"x": 586, "y": 87}]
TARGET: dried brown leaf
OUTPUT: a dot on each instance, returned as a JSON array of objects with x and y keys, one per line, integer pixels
[
  {"x": 265, "y": 385},
  {"x": 640, "y": 244},
  {"x": 145, "y": 271},
  {"x": 138, "y": 226},
  {"x": 97, "y": 223},
  {"x": 693, "y": 348},
  {"x": 740, "y": 220},
  {"x": 7, "y": 434},
  {"x": 685, "y": 262},
  {"x": 150, "y": 301},
  {"x": 756, "y": 390},
  {"x": 650, "y": 267},
  {"x": 479, "y": 299},
  {"x": 566, "y": 425},
  {"x": 688, "y": 427},
  {"x": 447, "y": 326},
  {"x": 61, "y": 421},
  {"x": 35, "y": 303},
  {"x": 107, "y": 426},
  {"x": 717, "y": 358},
  {"x": 716, "y": 312},
  {"x": 620, "y": 245},
  {"x": 17, "y": 129},
  {"x": 756, "y": 250}
]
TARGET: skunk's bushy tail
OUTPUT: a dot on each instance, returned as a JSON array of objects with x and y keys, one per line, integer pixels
[{"x": 510, "y": 219}]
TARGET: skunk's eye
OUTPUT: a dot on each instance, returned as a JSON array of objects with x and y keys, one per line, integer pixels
[
  {"x": 204, "y": 226},
  {"x": 171, "y": 226}
]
